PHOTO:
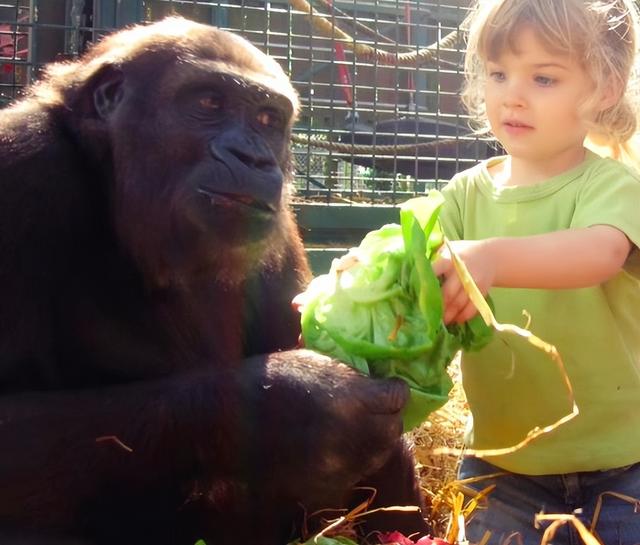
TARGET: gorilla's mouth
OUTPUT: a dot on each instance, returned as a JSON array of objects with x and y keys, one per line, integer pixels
[{"x": 225, "y": 199}]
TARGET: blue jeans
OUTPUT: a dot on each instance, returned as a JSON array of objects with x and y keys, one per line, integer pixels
[{"x": 513, "y": 504}]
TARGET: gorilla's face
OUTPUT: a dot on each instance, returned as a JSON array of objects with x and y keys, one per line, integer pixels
[
  {"x": 201, "y": 159},
  {"x": 241, "y": 131}
]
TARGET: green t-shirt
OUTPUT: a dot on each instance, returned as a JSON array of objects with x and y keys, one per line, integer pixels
[{"x": 511, "y": 386}]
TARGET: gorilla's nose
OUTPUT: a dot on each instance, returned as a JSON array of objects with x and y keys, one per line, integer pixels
[
  {"x": 387, "y": 396},
  {"x": 249, "y": 149}
]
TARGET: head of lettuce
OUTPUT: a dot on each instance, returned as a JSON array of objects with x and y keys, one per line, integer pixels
[{"x": 380, "y": 310}]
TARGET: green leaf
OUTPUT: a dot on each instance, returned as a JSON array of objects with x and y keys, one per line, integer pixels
[{"x": 380, "y": 309}]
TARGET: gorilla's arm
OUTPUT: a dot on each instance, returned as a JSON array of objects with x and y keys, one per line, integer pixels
[
  {"x": 41, "y": 464},
  {"x": 120, "y": 443}
]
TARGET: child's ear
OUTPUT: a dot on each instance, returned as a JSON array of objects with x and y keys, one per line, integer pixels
[{"x": 610, "y": 94}]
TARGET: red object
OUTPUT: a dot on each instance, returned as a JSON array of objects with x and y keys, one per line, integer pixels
[
  {"x": 343, "y": 72},
  {"x": 395, "y": 537},
  {"x": 7, "y": 68}
]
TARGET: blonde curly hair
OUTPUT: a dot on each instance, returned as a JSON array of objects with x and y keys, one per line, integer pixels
[{"x": 601, "y": 34}]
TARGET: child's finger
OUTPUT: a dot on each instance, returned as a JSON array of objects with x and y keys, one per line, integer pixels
[
  {"x": 455, "y": 303},
  {"x": 451, "y": 288},
  {"x": 468, "y": 312},
  {"x": 298, "y": 302}
]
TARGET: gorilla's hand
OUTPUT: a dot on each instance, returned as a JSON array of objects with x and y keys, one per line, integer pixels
[{"x": 319, "y": 426}]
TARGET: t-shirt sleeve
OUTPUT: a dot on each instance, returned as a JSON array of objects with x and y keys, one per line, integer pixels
[{"x": 611, "y": 196}]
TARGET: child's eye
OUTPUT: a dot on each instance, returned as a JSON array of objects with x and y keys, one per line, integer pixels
[
  {"x": 496, "y": 75},
  {"x": 544, "y": 81}
]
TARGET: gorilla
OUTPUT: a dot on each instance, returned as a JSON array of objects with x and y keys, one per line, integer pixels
[{"x": 150, "y": 386}]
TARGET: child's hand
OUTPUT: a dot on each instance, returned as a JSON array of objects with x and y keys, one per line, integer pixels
[{"x": 475, "y": 254}]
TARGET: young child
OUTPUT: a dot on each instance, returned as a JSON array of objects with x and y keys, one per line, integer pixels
[{"x": 552, "y": 229}]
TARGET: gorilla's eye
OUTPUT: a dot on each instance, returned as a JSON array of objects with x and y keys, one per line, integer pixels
[
  {"x": 270, "y": 117},
  {"x": 211, "y": 102}
]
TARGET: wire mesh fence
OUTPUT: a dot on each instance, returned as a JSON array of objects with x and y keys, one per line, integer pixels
[{"x": 378, "y": 79}]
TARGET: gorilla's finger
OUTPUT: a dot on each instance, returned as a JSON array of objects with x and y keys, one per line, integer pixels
[{"x": 389, "y": 397}]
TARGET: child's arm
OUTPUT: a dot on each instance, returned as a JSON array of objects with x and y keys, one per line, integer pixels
[{"x": 572, "y": 258}]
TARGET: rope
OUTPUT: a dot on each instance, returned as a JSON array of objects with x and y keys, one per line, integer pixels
[
  {"x": 343, "y": 147},
  {"x": 363, "y": 51}
]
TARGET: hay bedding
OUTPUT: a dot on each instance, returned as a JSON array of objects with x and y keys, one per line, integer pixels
[{"x": 444, "y": 428}]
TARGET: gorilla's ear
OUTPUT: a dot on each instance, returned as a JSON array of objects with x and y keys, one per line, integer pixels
[{"x": 107, "y": 92}]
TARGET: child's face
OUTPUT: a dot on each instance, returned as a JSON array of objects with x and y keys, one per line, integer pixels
[{"x": 533, "y": 97}]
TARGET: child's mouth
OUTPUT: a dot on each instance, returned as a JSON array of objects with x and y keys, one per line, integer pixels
[{"x": 516, "y": 127}]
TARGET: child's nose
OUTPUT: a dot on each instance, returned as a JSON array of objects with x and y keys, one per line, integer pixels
[{"x": 514, "y": 94}]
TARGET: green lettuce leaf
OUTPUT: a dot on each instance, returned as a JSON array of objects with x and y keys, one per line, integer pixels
[{"x": 380, "y": 309}]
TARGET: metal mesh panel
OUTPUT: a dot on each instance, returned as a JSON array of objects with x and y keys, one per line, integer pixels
[{"x": 349, "y": 98}]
